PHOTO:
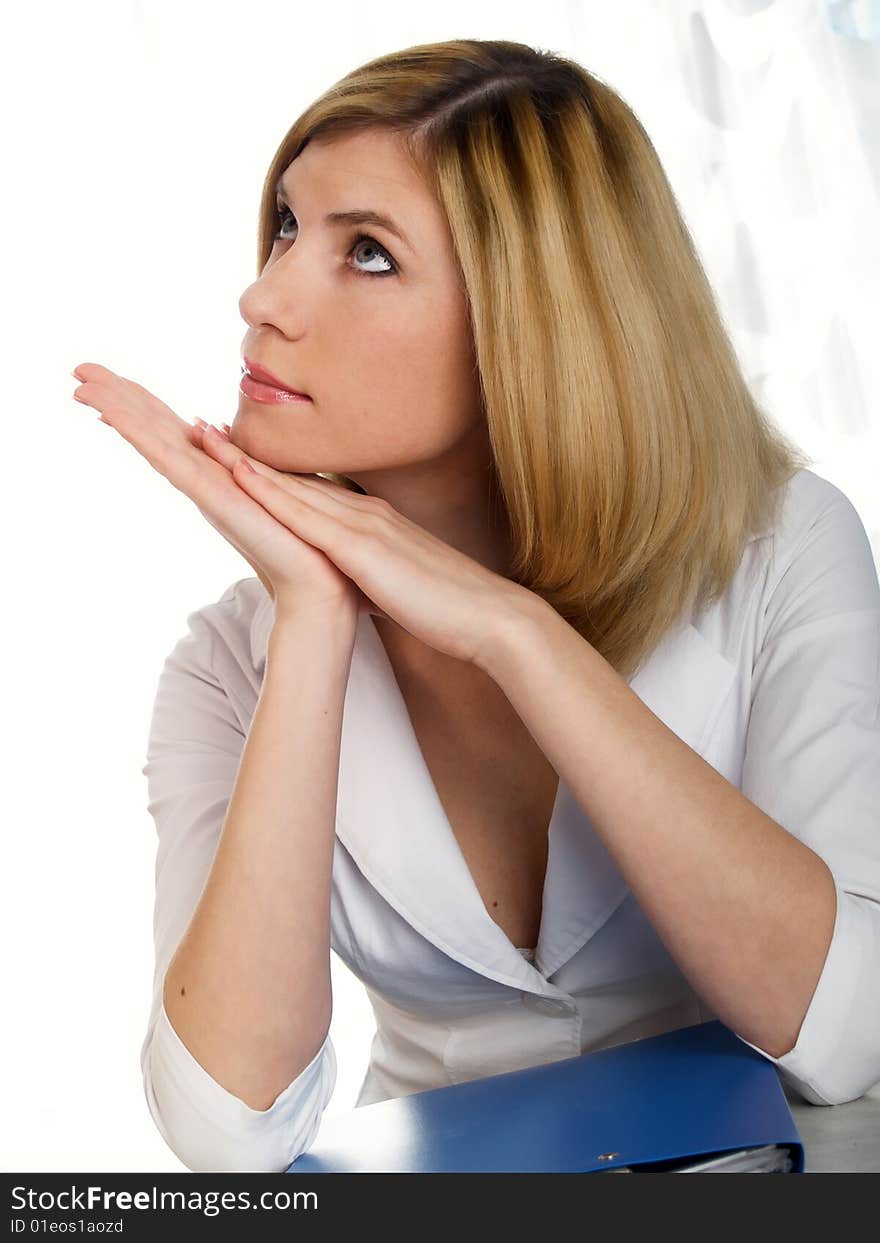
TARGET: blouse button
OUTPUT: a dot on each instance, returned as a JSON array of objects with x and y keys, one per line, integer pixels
[{"x": 550, "y": 1006}]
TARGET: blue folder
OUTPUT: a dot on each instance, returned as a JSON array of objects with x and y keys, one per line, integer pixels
[{"x": 697, "y": 1099}]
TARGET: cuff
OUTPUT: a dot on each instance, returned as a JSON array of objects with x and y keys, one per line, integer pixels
[
  {"x": 209, "y": 1128},
  {"x": 833, "y": 1060}
]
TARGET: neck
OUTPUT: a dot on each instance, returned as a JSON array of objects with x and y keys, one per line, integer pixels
[{"x": 455, "y": 498}]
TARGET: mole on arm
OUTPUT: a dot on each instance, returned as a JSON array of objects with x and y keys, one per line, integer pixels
[
  {"x": 494, "y": 903},
  {"x": 183, "y": 992}
]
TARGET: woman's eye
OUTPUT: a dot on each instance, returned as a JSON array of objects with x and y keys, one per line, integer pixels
[
  {"x": 283, "y": 213},
  {"x": 379, "y": 251}
]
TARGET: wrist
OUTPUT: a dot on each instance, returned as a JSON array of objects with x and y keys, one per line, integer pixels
[
  {"x": 512, "y": 629},
  {"x": 337, "y": 619}
]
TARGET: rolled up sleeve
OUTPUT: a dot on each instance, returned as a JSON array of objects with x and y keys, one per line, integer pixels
[
  {"x": 193, "y": 753},
  {"x": 812, "y": 762},
  {"x": 211, "y": 1130}
]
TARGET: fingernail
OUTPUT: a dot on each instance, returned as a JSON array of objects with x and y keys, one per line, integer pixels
[
  {"x": 246, "y": 466},
  {"x": 201, "y": 423},
  {"x": 226, "y": 427}
]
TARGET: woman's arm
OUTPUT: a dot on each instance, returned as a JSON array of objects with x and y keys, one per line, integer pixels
[
  {"x": 767, "y": 897},
  {"x": 248, "y": 989},
  {"x": 722, "y": 883}
]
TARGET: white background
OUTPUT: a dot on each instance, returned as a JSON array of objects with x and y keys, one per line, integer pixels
[{"x": 137, "y": 137}]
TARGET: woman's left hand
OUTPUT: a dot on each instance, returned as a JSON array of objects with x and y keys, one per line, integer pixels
[{"x": 437, "y": 593}]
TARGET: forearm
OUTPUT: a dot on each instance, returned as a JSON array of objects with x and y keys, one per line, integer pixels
[
  {"x": 745, "y": 908},
  {"x": 248, "y": 989}
]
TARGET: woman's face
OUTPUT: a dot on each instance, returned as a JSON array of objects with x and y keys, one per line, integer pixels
[{"x": 375, "y": 331}]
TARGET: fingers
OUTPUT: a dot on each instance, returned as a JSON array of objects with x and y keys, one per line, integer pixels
[
  {"x": 217, "y": 446},
  {"x": 121, "y": 401},
  {"x": 159, "y": 435},
  {"x": 292, "y": 503},
  {"x": 222, "y": 450},
  {"x": 333, "y": 498},
  {"x": 95, "y": 373},
  {"x": 181, "y": 452}
]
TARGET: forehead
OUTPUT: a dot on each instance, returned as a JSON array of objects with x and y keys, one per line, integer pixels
[{"x": 369, "y": 168}]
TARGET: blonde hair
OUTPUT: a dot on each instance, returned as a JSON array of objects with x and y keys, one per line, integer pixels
[{"x": 631, "y": 458}]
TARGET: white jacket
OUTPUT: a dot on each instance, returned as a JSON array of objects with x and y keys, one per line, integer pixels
[{"x": 776, "y": 686}]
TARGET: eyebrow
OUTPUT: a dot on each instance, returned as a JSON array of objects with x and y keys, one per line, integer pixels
[{"x": 357, "y": 216}]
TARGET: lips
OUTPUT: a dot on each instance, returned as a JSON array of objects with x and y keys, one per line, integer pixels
[{"x": 266, "y": 377}]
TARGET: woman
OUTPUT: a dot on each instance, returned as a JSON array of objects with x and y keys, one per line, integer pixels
[{"x": 552, "y": 707}]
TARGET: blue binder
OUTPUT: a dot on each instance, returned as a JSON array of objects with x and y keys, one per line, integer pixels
[{"x": 685, "y": 1101}]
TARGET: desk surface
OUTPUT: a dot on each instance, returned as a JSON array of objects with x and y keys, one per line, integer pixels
[{"x": 839, "y": 1138}]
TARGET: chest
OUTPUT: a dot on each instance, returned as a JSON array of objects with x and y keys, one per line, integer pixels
[{"x": 497, "y": 789}]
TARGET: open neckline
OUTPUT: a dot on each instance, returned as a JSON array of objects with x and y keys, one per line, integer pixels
[{"x": 529, "y": 954}]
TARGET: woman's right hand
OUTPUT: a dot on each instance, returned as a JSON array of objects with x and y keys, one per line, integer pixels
[{"x": 297, "y": 575}]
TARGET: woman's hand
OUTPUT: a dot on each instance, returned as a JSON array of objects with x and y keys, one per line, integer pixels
[
  {"x": 294, "y": 572},
  {"x": 439, "y": 595}
]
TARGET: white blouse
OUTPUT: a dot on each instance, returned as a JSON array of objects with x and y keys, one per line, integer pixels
[{"x": 777, "y": 686}]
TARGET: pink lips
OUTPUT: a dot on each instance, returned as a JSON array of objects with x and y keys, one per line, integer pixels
[
  {"x": 261, "y": 385},
  {"x": 267, "y": 394},
  {"x": 264, "y": 376}
]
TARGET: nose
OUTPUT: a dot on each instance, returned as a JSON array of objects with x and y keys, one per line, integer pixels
[{"x": 274, "y": 298}]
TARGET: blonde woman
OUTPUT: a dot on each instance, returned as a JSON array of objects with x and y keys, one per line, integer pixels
[{"x": 552, "y": 705}]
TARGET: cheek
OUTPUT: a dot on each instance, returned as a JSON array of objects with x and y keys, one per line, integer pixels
[
  {"x": 419, "y": 408},
  {"x": 415, "y": 371}
]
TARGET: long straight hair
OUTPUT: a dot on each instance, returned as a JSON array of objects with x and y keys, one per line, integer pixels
[{"x": 633, "y": 461}]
